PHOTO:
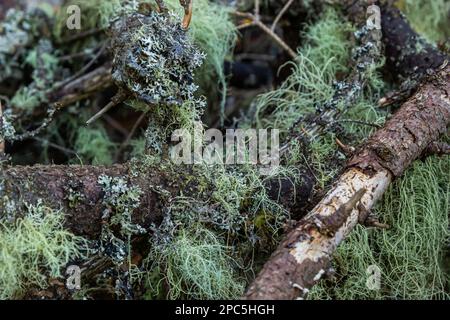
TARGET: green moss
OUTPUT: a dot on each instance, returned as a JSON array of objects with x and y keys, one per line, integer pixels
[
  {"x": 34, "y": 248},
  {"x": 195, "y": 265},
  {"x": 138, "y": 147},
  {"x": 409, "y": 254}
]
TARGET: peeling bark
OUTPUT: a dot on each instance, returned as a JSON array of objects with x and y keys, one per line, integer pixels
[{"x": 304, "y": 256}]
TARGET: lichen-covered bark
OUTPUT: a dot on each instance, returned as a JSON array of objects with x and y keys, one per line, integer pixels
[
  {"x": 75, "y": 190},
  {"x": 304, "y": 256}
]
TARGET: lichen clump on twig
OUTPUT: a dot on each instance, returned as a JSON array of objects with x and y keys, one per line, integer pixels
[{"x": 154, "y": 59}]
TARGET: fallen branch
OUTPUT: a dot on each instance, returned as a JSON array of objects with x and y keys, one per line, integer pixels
[{"x": 304, "y": 256}]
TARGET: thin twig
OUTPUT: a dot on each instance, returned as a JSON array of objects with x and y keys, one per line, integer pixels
[
  {"x": 188, "y": 9},
  {"x": 267, "y": 30},
  {"x": 77, "y": 55},
  {"x": 54, "y": 145},
  {"x": 45, "y": 123},
  {"x": 115, "y": 125},
  {"x": 348, "y": 150},
  {"x": 245, "y": 25},
  {"x": 82, "y": 35},
  {"x": 83, "y": 70},
  {"x": 257, "y": 9},
  {"x": 117, "y": 99},
  {"x": 277, "y": 39},
  {"x": 280, "y": 15},
  {"x": 364, "y": 123}
]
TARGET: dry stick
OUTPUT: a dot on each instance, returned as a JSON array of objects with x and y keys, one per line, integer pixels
[
  {"x": 51, "y": 110},
  {"x": 120, "y": 97},
  {"x": 82, "y": 35},
  {"x": 262, "y": 26},
  {"x": 305, "y": 254},
  {"x": 188, "y": 9},
  {"x": 116, "y": 125},
  {"x": 79, "y": 89},
  {"x": 280, "y": 15},
  {"x": 364, "y": 123},
  {"x": 83, "y": 87},
  {"x": 54, "y": 145},
  {"x": 257, "y": 9}
]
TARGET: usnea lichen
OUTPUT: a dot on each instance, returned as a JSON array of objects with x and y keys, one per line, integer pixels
[
  {"x": 94, "y": 146},
  {"x": 197, "y": 265},
  {"x": 34, "y": 248},
  {"x": 428, "y": 18},
  {"x": 410, "y": 254}
]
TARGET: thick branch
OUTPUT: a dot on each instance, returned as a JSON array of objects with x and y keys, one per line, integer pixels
[
  {"x": 304, "y": 256},
  {"x": 56, "y": 184}
]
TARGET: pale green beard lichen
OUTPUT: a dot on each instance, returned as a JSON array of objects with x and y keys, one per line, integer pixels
[
  {"x": 197, "y": 265},
  {"x": 94, "y": 146},
  {"x": 326, "y": 53},
  {"x": 35, "y": 248}
]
